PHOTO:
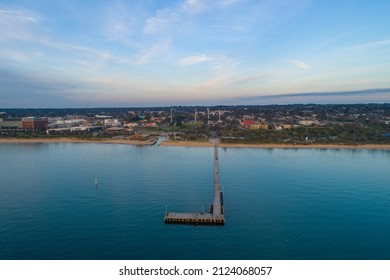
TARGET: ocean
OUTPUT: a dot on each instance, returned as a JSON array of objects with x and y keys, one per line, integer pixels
[{"x": 279, "y": 203}]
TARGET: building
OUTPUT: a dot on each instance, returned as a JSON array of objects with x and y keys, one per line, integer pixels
[
  {"x": 308, "y": 122},
  {"x": 251, "y": 124},
  {"x": 11, "y": 123},
  {"x": 35, "y": 123},
  {"x": 247, "y": 123}
]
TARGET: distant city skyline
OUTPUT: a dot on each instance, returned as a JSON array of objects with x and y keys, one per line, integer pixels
[{"x": 193, "y": 52}]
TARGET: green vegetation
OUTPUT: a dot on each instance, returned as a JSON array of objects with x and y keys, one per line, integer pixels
[{"x": 294, "y": 124}]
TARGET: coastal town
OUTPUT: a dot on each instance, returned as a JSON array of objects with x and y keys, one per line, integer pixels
[{"x": 275, "y": 124}]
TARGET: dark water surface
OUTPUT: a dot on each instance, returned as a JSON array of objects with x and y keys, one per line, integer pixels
[{"x": 279, "y": 203}]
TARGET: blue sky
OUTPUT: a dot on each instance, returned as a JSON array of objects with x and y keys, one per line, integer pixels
[{"x": 70, "y": 53}]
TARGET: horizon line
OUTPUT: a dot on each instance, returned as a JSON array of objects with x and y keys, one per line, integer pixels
[{"x": 253, "y": 98}]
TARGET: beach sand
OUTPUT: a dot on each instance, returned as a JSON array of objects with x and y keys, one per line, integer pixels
[
  {"x": 284, "y": 146},
  {"x": 195, "y": 144},
  {"x": 74, "y": 140}
]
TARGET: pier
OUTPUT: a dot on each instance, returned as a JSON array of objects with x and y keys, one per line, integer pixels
[{"x": 215, "y": 215}]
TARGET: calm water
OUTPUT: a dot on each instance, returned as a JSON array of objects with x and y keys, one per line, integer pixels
[{"x": 279, "y": 203}]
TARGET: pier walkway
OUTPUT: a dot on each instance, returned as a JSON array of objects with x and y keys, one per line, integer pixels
[{"x": 216, "y": 209}]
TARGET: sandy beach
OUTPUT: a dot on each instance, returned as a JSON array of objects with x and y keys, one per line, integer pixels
[
  {"x": 75, "y": 140},
  {"x": 195, "y": 144},
  {"x": 284, "y": 146}
]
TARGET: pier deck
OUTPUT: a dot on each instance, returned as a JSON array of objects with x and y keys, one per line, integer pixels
[
  {"x": 215, "y": 217},
  {"x": 193, "y": 218}
]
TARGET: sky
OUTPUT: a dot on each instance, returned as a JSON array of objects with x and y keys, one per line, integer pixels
[{"x": 123, "y": 53}]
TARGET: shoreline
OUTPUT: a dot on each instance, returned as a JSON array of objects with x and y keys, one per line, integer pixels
[
  {"x": 280, "y": 146},
  {"x": 74, "y": 140},
  {"x": 198, "y": 144}
]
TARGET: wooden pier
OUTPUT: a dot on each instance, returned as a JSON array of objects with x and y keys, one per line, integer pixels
[
  {"x": 216, "y": 209},
  {"x": 193, "y": 218}
]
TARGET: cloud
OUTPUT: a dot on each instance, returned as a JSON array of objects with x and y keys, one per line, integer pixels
[
  {"x": 96, "y": 57},
  {"x": 162, "y": 20},
  {"x": 299, "y": 64},
  {"x": 338, "y": 93},
  {"x": 166, "y": 18},
  {"x": 335, "y": 97},
  {"x": 18, "y": 27},
  {"x": 194, "y": 59},
  {"x": 357, "y": 49},
  {"x": 17, "y": 24},
  {"x": 185, "y": 12},
  {"x": 14, "y": 55},
  {"x": 194, "y": 6},
  {"x": 228, "y": 2},
  {"x": 37, "y": 90},
  {"x": 117, "y": 30},
  {"x": 251, "y": 79},
  {"x": 155, "y": 50},
  {"x": 119, "y": 22},
  {"x": 223, "y": 73},
  {"x": 17, "y": 15},
  {"x": 325, "y": 94}
]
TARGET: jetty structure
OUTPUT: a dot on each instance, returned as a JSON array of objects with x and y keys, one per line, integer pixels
[{"x": 215, "y": 215}]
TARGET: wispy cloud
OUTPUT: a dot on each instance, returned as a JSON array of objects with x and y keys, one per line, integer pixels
[
  {"x": 14, "y": 55},
  {"x": 149, "y": 53},
  {"x": 194, "y": 59},
  {"x": 20, "y": 26},
  {"x": 223, "y": 71},
  {"x": 365, "y": 92},
  {"x": 251, "y": 79},
  {"x": 368, "y": 95},
  {"x": 38, "y": 90},
  {"x": 194, "y": 6},
  {"x": 166, "y": 18},
  {"x": 335, "y": 93},
  {"x": 162, "y": 20},
  {"x": 300, "y": 64},
  {"x": 227, "y": 3},
  {"x": 118, "y": 22},
  {"x": 218, "y": 48},
  {"x": 84, "y": 55},
  {"x": 17, "y": 24},
  {"x": 17, "y": 15},
  {"x": 357, "y": 49}
]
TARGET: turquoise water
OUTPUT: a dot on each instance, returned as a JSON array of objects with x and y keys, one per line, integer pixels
[{"x": 279, "y": 203}]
